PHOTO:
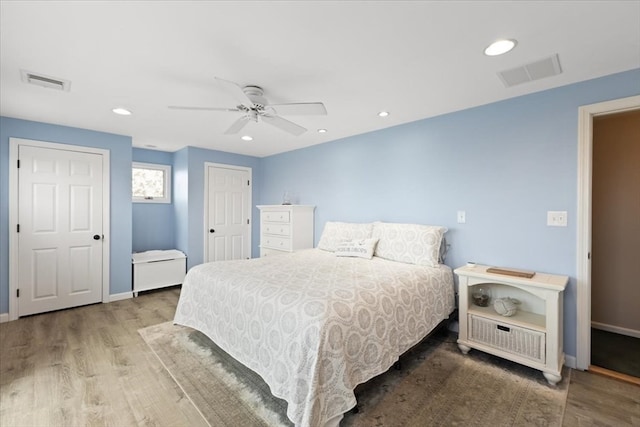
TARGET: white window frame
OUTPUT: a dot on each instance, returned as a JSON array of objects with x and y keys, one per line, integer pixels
[{"x": 167, "y": 182}]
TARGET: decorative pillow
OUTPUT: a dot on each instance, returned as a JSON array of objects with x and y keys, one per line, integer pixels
[
  {"x": 337, "y": 232},
  {"x": 409, "y": 243},
  {"x": 362, "y": 248}
]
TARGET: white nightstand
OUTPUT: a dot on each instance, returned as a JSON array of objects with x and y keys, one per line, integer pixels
[{"x": 532, "y": 337}]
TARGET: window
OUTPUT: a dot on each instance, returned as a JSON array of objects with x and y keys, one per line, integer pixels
[{"x": 151, "y": 183}]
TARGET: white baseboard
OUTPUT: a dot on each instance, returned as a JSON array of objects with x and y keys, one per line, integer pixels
[
  {"x": 4, "y": 317},
  {"x": 570, "y": 361},
  {"x": 118, "y": 297},
  {"x": 616, "y": 329}
]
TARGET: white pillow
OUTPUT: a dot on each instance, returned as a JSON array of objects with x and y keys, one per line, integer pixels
[
  {"x": 362, "y": 248},
  {"x": 409, "y": 243},
  {"x": 337, "y": 232}
]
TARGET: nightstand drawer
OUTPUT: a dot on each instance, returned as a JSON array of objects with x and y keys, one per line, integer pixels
[
  {"x": 279, "y": 229},
  {"x": 504, "y": 336},
  {"x": 276, "y": 216},
  {"x": 276, "y": 243}
]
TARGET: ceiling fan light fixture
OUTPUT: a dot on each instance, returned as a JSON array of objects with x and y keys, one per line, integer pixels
[
  {"x": 247, "y": 138},
  {"x": 500, "y": 47}
]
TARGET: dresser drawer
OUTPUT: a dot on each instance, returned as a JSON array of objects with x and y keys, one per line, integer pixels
[
  {"x": 276, "y": 216},
  {"x": 278, "y": 229},
  {"x": 271, "y": 252},
  {"x": 272, "y": 242}
]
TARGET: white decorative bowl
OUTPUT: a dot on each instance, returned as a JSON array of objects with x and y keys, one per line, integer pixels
[{"x": 506, "y": 306}]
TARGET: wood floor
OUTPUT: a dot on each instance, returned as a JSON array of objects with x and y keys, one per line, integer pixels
[{"x": 88, "y": 366}]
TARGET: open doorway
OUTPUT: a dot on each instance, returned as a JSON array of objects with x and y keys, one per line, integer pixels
[
  {"x": 615, "y": 243},
  {"x": 596, "y": 286}
]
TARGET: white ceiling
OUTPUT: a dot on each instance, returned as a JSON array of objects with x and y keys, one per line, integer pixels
[{"x": 414, "y": 59}]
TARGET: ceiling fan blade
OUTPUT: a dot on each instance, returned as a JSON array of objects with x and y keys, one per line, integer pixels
[
  {"x": 236, "y": 91},
  {"x": 237, "y": 125},
  {"x": 179, "y": 107},
  {"x": 284, "y": 124},
  {"x": 301, "y": 108}
]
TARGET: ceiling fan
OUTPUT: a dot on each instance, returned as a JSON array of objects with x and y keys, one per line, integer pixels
[{"x": 254, "y": 107}]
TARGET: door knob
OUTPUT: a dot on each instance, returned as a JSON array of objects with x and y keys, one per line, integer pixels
[
  {"x": 96, "y": 237},
  {"x": 211, "y": 230}
]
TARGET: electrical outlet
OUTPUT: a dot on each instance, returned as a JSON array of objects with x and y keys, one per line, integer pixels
[
  {"x": 462, "y": 217},
  {"x": 557, "y": 218}
]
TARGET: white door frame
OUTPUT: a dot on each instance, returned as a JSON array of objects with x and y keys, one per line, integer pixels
[
  {"x": 583, "y": 250},
  {"x": 14, "y": 144},
  {"x": 205, "y": 253}
]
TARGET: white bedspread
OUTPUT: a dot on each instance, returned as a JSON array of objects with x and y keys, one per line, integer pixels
[{"x": 314, "y": 325}]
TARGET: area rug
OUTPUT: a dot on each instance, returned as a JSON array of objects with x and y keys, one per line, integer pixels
[{"x": 436, "y": 386}]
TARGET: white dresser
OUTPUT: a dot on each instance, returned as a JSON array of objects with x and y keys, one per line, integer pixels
[{"x": 285, "y": 228}]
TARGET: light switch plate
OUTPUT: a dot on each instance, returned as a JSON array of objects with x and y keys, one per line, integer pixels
[
  {"x": 462, "y": 217},
  {"x": 557, "y": 218}
]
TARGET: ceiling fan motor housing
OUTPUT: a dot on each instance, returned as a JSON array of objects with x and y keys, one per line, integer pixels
[{"x": 255, "y": 95}]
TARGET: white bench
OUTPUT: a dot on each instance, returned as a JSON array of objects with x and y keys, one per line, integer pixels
[{"x": 157, "y": 269}]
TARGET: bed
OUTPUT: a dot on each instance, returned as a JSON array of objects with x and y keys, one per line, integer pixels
[{"x": 316, "y": 323}]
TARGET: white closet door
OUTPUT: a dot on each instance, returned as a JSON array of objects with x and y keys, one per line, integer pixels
[
  {"x": 60, "y": 237},
  {"x": 228, "y": 208}
]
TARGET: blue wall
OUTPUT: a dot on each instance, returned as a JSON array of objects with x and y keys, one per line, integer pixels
[
  {"x": 189, "y": 197},
  {"x": 181, "y": 200},
  {"x": 120, "y": 160},
  {"x": 153, "y": 223},
  {"x": 506, "y": 164}
]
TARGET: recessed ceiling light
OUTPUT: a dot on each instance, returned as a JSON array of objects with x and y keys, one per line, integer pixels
[
  {"x": 151, "y": 146},
  {"x": 122, "y": 111},
  {"x": 322, "y": 131},
  {"x": 247, "y": 138},
  {"x": 499, "y": 47},
  {"x": 383, "y": 113}
]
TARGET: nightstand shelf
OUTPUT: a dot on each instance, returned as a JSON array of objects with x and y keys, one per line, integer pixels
[{"x": 533, "y": 336}]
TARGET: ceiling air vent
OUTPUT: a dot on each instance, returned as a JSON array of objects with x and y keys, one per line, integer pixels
[
  {"x": 537, "y": 70},
  {"x": 45, "y": 81}
]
